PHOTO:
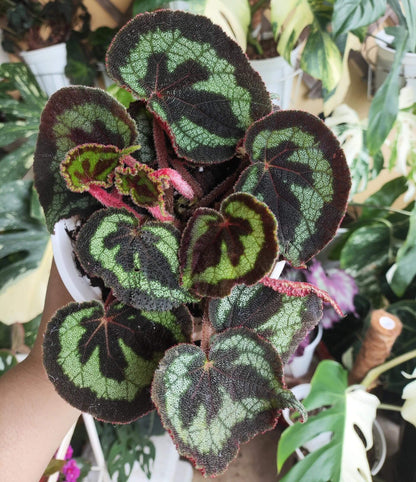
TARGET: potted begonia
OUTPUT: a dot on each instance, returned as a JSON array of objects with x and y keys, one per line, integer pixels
[{"x": 182, "y": 204}]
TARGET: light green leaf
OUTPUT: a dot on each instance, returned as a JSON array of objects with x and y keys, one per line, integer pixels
[
  {"x": 343, "y": 458},
  {"x": 321, "y": 57}
]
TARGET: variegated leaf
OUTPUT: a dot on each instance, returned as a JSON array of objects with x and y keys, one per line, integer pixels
[
  {"x": 74, "y": 116},
  {"x": 139, "y": 262},
  {"x": 281, "y": 319},
  {"x": 235, "y": 245},
  {"x": 211, "y": 404},
  {"x": 89, "y": 164},
  {"x": 299, "y": 170},
  {"x": 102, "y": 360},
  {"x": 194, "y": 78}
]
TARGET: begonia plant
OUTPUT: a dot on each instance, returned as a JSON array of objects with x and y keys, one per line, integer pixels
[{"x": 186, "y": 199}]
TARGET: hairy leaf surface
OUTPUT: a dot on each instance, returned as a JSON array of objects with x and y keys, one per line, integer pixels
[
  {"x": 139, "y": 263},
  {"x": 74, "y": 116},
  {"x": 281, "y": 319},
  {"x": 235, "y": 245},
  {"x": 194, "y": 78},
  {"x": 89, "y": 164},
  {"x": 211, "y": 405},
  {"x": 102, "y": 360},
  {"x": 299, "y": 170}
]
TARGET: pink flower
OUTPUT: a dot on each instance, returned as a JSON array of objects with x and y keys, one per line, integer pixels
[
  {"x": 69, "y": 453},
  {"x": 71, "y": 471}
]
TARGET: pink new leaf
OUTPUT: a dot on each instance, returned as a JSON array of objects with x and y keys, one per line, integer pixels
[{"x": 300, "y": 289}]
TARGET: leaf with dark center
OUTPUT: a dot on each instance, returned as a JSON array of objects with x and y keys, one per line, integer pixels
[
  {"x": 138, "y": 182},
  {"x": 211, "y": 404},
  {"x": 194, "y": 78},
  {"x": 75, "y": 116},
  {"x": 139, "y": 263},
  {"x": 92, "y": 164},
  {"x": 281, "y": 319},
  {"x": 235, "y": 245},
  {"x": 102, "y": 360},
  {"x": 299, "y": 170}
]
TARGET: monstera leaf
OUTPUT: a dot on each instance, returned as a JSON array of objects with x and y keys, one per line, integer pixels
[
  {"x": 75, "y": 116},
  {"x": 102, "y": 360},
  {"x": 235, "y": 245},
  {"x": 299, "y": 170},
  {"x": 342, "y": 410},
  {"x": 282, "y": 320},
  {"x": 211, "y": 404},
  {"x": 139, "y": 263},
  {"x": 194, "y": 78}
]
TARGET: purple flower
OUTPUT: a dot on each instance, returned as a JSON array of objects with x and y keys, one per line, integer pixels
[
  {"x": 71, "y": 471},
  {"x": 338, "y": 284}
]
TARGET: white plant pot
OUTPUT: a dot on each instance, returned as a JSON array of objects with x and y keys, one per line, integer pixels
[
  {"x": 299, "y": 365},
  {"x": 278, "y": 75},
  {"x": 379, "y": 441},
  {"x": 79, "y": 286},
  {"x": 385, "y": 57},
  {"x": 48, "y": 66}
]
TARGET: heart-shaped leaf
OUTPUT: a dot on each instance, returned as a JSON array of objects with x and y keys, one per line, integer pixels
[
  {"x": 139, "y": 263},
  {"x": 194, "y": 78},
  {"x": 89, "y": 164},
  {"x": 221, "y": 249},
  {"x": 299, "y": 170},
  {"x": 102, "y": 360},
  {"x": 211, "y": 405},
  {"x": 74, "y": 116},
  {"x": 281, "y": 319}
]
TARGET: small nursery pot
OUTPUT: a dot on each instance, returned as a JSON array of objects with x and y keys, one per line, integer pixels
[
  {"x": 79, "y": 286},
  {"x": 379, "y": 449},
  {"x": 299, "y": 365}
]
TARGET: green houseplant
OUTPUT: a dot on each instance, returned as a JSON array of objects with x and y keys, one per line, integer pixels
[
  {"x": 338, "y": 409},
  {"x": 61, "y": 29},
  {"x": 185, "y": 201}
]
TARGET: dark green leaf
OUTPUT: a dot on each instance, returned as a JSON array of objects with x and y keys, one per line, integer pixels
[
  {"x": 7, "y": 361},
  {"x": 101, "y": 360},
  {"x": 365, "y": 256},
  {"x": 383, "y": 198},
  {"x": 221, "y": 249},
  {"x": 385, "y": 104},
  {"x": 211, "y": 404},
  {"x": 405, "y": 310},
  {"x": 281, "y": 319},
  {"x": 23, "y": 238},
  {"x": 74, "y": 116},
  {"x": 299, "y": 170},
  {"x": 194, "y": 78},
  {"x": 405, "y": 267},
  {"x": 139, "y": 263}
]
